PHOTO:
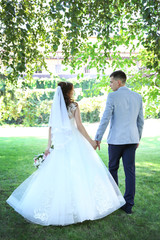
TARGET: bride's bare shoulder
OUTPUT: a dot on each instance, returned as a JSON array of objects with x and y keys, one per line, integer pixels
[{"x": 72, "y": 108}]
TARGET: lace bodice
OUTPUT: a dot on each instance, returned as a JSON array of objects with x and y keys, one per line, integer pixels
[{"x": 71, "y": 109}]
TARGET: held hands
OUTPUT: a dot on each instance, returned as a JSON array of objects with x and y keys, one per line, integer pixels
[
  {"x": 95, "y": 144},
  {"x": 98, "y": 144}
]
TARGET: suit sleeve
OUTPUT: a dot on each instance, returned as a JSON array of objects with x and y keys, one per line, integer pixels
[
  {"x": 140, "y": 120},
  {"x": 105, "y": 118}
]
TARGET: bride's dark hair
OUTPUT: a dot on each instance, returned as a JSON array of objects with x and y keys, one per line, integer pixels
[{"x": 66, "y": 89}]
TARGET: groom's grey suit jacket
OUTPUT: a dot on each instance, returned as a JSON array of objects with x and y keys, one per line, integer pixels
[{"x": 124, "y": 110}]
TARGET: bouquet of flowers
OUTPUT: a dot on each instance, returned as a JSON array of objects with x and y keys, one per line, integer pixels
[{"x": 38, "y": 159}]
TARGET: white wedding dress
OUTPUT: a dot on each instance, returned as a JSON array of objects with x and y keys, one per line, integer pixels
[{"x": 72, "y": 185}]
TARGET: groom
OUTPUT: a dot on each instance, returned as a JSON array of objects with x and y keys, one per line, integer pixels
[{"x": 124, "y": 110}]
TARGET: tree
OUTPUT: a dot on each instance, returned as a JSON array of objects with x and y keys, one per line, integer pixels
[{"x": 30, "y": 30}]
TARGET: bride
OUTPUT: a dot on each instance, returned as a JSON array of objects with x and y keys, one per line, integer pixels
[{"x": 72, "y": 184}]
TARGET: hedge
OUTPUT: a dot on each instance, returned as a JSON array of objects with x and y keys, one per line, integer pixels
[{"x": 29, "y": 104}]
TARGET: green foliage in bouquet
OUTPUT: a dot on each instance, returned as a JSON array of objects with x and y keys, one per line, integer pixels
[{"x": 39, "y": 159}]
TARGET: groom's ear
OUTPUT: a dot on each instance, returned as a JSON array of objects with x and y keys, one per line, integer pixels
[{"x": 119, "y": 82}]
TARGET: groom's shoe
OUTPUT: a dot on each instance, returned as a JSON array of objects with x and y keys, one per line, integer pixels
[{"x": 127, "y": 208}]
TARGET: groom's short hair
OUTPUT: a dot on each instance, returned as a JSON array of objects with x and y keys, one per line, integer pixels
[{"x": 119, "y": 75}]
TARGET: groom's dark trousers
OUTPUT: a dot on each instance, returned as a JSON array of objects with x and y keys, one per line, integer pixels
[{"x": 127, "y": 152}]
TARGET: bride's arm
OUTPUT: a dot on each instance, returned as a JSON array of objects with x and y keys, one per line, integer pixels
[
  {"x": 49, "y": 142},
  {"x": 82, "y": 129}
]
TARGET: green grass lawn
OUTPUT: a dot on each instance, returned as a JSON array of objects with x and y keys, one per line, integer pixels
[{"x": 16, "y": 164}]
